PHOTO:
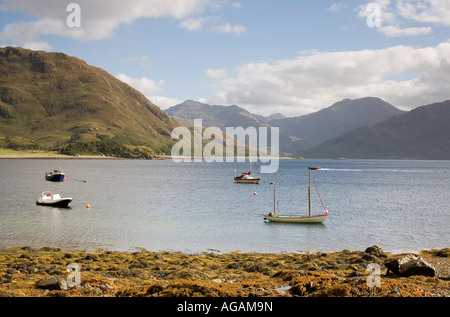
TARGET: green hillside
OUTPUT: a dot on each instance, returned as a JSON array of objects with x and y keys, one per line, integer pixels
[{"x": 54, "y": 101}]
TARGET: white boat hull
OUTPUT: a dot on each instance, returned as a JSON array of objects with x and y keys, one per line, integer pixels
[
  {"x": 55, "y": 200},
  {"x": 296, "y": 219},
  {"x": 64, "y": 202}
]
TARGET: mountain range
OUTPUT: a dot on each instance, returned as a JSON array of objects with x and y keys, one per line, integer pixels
[
  {"x": 296, "y": 133},
  {"x": 52, "y": 101},
  {"x": 361, "y": 128},
  {"x": 422, "y": 133}
]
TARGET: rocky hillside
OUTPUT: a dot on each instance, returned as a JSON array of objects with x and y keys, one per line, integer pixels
[{"x": 55, "y": 101}]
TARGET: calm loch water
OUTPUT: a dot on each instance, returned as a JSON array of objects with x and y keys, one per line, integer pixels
[{"x": 193, "y": 207}]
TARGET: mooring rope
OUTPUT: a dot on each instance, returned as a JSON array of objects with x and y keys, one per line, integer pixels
[{"x": 318, "y": 193}]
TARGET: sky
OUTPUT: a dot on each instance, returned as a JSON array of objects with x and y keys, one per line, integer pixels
[{"x": 288, "y": 56}]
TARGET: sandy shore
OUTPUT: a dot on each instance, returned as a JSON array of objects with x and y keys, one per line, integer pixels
[{"x": 25, "y": 270}]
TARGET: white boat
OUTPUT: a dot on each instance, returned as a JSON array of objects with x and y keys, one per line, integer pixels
[
  {"x": 274, "y": 217},
  {"x": 55, "y": 200},
  {"x": 247, "y": 178}
]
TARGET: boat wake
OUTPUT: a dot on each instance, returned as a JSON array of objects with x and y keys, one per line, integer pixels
[
  {"x": 341, "y": 169},
  {"x": 375, "y": 170}
]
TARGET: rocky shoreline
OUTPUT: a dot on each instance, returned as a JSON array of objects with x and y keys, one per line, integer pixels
[{"x": 55, "y": 272}]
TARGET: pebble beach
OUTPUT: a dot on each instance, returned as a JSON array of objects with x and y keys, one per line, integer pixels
[{"x": 48, "y": 272}]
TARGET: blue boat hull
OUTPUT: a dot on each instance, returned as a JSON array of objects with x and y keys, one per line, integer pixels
[{"x": 60, "y": 177}]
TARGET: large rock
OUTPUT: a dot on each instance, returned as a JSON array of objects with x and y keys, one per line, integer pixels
[
  {"x": 410, "y": 265},
  {"x": 374, "y": 249},
  {"x": 52, "y": 283}
]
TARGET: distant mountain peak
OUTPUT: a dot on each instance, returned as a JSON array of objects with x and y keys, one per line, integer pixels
[
  {"x": 342, "y": 116},
  {"x": 421, "y": 133},
  {"x": 213, "y": 115}
]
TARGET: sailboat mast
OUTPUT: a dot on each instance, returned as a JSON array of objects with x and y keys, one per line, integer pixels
[
  {"x": 274, "y": 200},
  {"x": 309, "y": 192}
]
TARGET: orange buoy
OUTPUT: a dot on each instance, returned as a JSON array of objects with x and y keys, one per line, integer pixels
[
  {"x": 88, "y": 206},
  {"x": 254, "y": 193}
]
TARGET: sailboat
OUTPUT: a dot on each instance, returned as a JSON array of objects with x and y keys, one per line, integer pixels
[
  {"x": 247, "y": 178},
  {"x": 275, "y": 217}
]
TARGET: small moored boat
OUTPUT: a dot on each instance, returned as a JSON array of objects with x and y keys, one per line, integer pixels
[
  {"x": 55, "y": 176},
  {"x": 247, "y": 178},
  {"x": 55, "y": 200}
]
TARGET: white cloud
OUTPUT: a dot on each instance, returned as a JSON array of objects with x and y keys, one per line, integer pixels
[
  {"x": 193, "y": 24},
  {"x": 397, "y": 15},
  {"x": 236, "y": 5},
  {"x": 99, "y": 19},
  {"x": 387, "y": 11},
  {"x": 27, "y": 34},
  {"x": 216, "y": 73},
  {"x": 336, "y": 7},
  {"x": 145, "y": 85},
  {"x": 228, "y": 28},
  {"x": 405, "y": 76},
  {"x": 164, "y": 102},
  {"x": 151, "y": 89},
  {"x": 37, "y": 46},
  {"x": 211, "y": 23},
  {"x": 425, "y": 11},
  {"x": 395, "y": 30}
]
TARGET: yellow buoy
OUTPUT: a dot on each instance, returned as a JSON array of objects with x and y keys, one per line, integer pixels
[{"x": 88, "y": 206}]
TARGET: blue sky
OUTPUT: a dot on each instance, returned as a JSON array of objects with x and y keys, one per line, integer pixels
[{"x": 267, "y": 56}]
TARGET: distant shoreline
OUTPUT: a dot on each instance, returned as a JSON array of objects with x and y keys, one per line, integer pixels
[
  {"x": 98, "y": 157},
  {"x": 65, "y": 157}
]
